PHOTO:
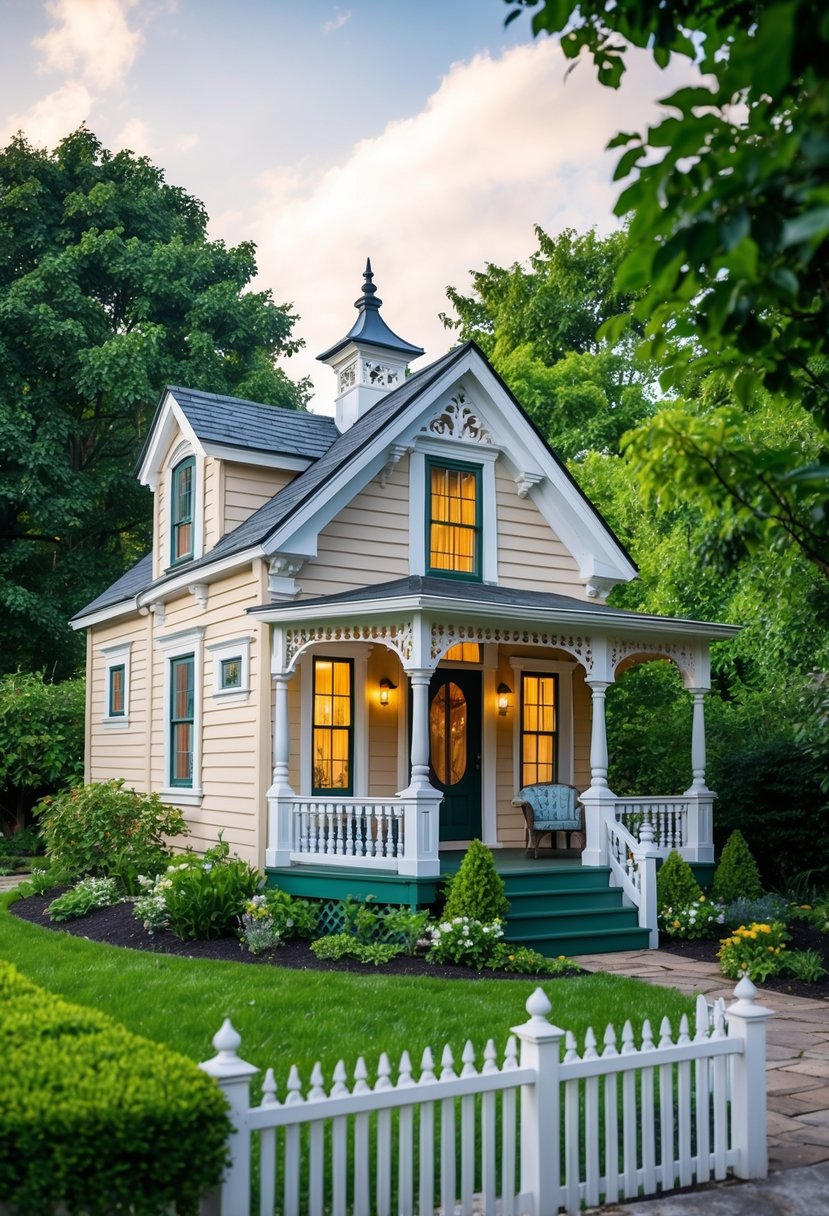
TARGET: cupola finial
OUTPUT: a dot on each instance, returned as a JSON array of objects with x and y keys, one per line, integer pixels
[{"x": 369, "y": 298}]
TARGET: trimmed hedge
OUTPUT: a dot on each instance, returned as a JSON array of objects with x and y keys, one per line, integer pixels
[{"x": 95, "y": 1117}]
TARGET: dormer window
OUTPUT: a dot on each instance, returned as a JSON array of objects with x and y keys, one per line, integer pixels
[
  {"x": 182, "y": 504},
  {"x": 453, "y": 530}
]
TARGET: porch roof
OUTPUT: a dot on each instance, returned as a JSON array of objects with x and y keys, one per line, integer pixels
[{"x": 482, "y": 602}]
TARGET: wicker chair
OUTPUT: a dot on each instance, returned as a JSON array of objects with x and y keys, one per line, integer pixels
[{"x": 549, "y": 808}]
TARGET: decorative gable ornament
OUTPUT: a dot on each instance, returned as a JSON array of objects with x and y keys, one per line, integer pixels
[{"x": 458, "y": 420}]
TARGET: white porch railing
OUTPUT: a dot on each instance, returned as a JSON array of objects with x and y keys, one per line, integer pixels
[
  {"x": 679, "y": 821},
  {"x": 633, "y": 868},
  {"x": 348, "y": 831},
  {"x": 535, "y": 1133}
]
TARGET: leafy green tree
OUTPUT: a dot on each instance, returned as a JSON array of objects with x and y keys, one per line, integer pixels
[
  {"x": 41, "y": 741},
  {"x": 109, "y": 289},
  {"x": 729, "y": 237}
]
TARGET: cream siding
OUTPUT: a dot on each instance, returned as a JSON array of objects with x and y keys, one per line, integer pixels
[
  {"x": 213, "y": 498},
  {"x": 530, "y": 555},
  {"x": 247, "y": 488},
  {"x": 114, "y": 749}
]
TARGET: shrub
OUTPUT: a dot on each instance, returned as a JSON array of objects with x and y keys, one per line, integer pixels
[
  {"x": 464, "y": 941},
  {"x": 28, "y": 842},
  {"x": 523, "y": 961},
  {"x": 477, "y": 890},
  {"x": 755, "y": 950},
  {"x": 273, "y": 917},
  {"x": 337, "y": 946},
  {"x": 744, "y": 911},
  {"x": 41, "y": 740},
  {"x": 38, "y": 883},
  {"x": 676, "y": 886},
  {"x": 96, "y": 1118},
  {"x": 83, "y": 898},
  {"x": 107, "y": 831},
  {"x": 699, "y": 920},
  {"x": 737, "y": 876},
  {"x": 805, "y": 965},
  {"x": 207, "y": 895},
  {"x": 406, "y": 927},
  {"x": 360, "y": 919}
]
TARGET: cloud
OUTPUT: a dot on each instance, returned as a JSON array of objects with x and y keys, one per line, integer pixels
[
  {"x": 90, "y": 38},
  {"x": 52, "y": 117},
  {"x": 336, "y": 23},
  {"x": 137, "y": 136},
  {"x": 504, "y": 143}
]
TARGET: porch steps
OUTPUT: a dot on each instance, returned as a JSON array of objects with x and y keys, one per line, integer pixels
[{"x": 569, "y": 911}]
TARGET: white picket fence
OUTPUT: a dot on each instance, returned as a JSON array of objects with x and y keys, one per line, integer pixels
[{"x": 538, "y": 1132}]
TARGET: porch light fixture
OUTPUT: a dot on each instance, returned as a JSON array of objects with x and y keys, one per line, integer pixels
[
  {"x": 504, "y": 699},
  {"x": 386, "y": 687}
]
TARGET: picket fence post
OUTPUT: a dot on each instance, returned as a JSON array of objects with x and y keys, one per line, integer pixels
[
  {"x": 646, "y": 857},
  {"x": 540, "y": 1051},
  {"x": 233, "y": 1076},
  {"x": 747, "y": 1021}
]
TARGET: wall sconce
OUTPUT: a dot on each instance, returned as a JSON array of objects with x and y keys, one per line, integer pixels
[
  {"x": 504, "y": 699},
  {"x": 386, "y": 687}
]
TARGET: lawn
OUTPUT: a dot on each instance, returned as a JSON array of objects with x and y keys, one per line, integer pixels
[{"x": 288, "y": 1016}]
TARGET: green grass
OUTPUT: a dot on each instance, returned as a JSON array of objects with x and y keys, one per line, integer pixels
[{"x": 287, "y": 1016}]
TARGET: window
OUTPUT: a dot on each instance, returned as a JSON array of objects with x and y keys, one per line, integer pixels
[
  {"x": 333, "y": 717},
  {"x": 453, "y": 539},
  {"x": 182, "y": 719},
  {"x": 116, "y": 694},
  {"x": 231, "y": 673},
  {"x": 117, "y": 688},
  {"x": 539, "y": 729},
  {"x": 231, "y": 668},
  {"x": 181, "y": 511},
  {"x": 463, "y": 652}
]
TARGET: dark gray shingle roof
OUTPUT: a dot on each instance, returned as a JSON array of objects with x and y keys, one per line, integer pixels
[{"x": 126, "y": 587}]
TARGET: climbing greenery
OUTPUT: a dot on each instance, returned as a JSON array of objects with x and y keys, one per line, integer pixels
[
  {"x": 736, "y": 876},
  {"x": 477, "y": 890}
]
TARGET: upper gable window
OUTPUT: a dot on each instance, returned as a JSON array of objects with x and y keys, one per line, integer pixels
[
  {"x": 182, "y": 533},
  {"x": 453, "y": 529}
]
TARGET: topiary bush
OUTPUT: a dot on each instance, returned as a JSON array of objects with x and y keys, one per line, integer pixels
[
  {"x": 95, "y": 1118},
  {"x": 676, "y": 886},
  {"x": 477, "y": 890},
  {"x": 737, "y": 876},
  {"x": 108, "y": 831}
]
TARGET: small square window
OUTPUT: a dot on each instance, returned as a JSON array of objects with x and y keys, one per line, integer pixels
[{"x": 231, "y": 672}]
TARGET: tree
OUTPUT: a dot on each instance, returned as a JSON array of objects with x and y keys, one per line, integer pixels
[
  {"x": 109, "y": 289},
  {"x": 729, "y": 235}
]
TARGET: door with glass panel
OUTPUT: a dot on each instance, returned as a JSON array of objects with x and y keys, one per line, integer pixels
[{"x": 455, "y": 750}]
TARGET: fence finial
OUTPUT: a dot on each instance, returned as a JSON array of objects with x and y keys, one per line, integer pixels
[
  {"x": 538, "y": 1006},
  {"x": 227, "y": 1039}
]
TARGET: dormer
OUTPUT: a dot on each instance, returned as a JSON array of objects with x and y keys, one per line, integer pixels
[{"x": 369, "y": 361}]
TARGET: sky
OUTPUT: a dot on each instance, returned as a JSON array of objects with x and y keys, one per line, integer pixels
[{"x": 419, "y": 133}]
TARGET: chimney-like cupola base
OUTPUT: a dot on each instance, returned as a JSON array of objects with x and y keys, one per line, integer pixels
[{"x": 369, "y": 361}]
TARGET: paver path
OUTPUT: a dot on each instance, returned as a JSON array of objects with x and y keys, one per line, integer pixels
[{"x": 797, "y": 1056}]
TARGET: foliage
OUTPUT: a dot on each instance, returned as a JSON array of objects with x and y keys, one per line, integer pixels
[
  {"x": 207, "y": 894},
  {"x": 273, "y": 917},
  {"x": 38, "y": 883},
  {"x": 676, "y": 886},
  {"x": 406, "y": 926},
  {"x": 71, "y": 1072},
  {"x": 28, "y": 842},
  {"x": 754, "y": 950},
  {"x": 150, "y": 907},
  {"x": 103, "y": 829},
  {"x": 736, "y": 876},
  {"x": 337, "y": 946},
  {"x": 109, "y": 289},
  {"x": 730, "y": 220},
  {"x": 766, "y": 908},
  {"x": 700, "y": 919},
  {"x": 84, "y": 897},
  {"x": 813, "y": 735},
  {"x": 41, "y": 739},
  {"x": 360, "y": 919},
  {"x": 477, "y": 890},
  {"x": 522, "y": 960},
  {"x": 805, "y": 965},
  {"x": 465, "y": 941}
]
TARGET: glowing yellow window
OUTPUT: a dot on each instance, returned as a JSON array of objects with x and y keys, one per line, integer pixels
[
  {"x": 539, "y": 733},
  {"x": 454, "y": 524},
  {"x": 333, "y": 719}
]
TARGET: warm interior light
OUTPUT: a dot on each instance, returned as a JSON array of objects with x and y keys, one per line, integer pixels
[
  {"x": 504, "y": 694},
  {"x": 386, "y": 687}
]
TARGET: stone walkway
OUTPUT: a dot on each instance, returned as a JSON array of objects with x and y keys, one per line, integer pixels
[{"x": 797, "y": 1055}]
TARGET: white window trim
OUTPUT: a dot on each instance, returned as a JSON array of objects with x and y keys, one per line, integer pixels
[
  {"x": 359, "y": 656},
  {"x": 116, "y": 655},
  {"x": 222, "y": 651},
  {"x": 564, "y": 710},
  {"x": 176, "y": 646},
  {"x": 473, "y": 454},
  {"x": 183, "y": 451}
]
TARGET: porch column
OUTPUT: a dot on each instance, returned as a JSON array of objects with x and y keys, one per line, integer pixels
[
  {"x": 421, "y": 801},
  {"x": 699, "y": 840},
  {"x": 599, "y": 801},
  {"x": 280, "y": 795}
]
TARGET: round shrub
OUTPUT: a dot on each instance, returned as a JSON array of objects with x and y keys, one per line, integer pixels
[
  {"x": 737, "y": 876},
  {"x": 676, "y": 886},
  {"x": 477, "y": 890},
  {"x": 108, "y": 831}
]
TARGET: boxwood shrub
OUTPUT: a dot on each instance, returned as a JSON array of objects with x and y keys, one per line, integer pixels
[{"x": 96, "y": 1118}]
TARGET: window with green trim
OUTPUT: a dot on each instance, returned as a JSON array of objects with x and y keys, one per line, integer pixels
[
  {"x": 539, "y": 727},
  {"x": 182, "y": 719},
  {"x": 182, "y": 529},
  {"x": 333, "y": 731},
  {"x": 453, "y": 527},
  {"x": 117, "y": 689},
  {"x": 231, "y": 673}
]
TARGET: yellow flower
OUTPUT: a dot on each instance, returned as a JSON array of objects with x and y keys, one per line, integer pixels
[
  {"x": 676, "y": 924},
  {"x": 765, "y": 928},
  {"x": 702, "y": 899},
  {"x": 753, "y": 934}
]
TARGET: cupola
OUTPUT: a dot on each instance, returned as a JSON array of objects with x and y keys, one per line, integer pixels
[{"x": 369, "y": 361}]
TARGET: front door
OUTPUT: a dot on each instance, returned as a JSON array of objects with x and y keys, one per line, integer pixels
[{"x": 455, "y": 750}]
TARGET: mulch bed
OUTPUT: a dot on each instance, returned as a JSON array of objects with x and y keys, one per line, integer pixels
[
  {"x": 803, "y": 937},
  {"x": 116, "y": 926}
]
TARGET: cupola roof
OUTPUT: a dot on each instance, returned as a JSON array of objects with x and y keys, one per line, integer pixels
[{"x": 370, "y": 328}]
